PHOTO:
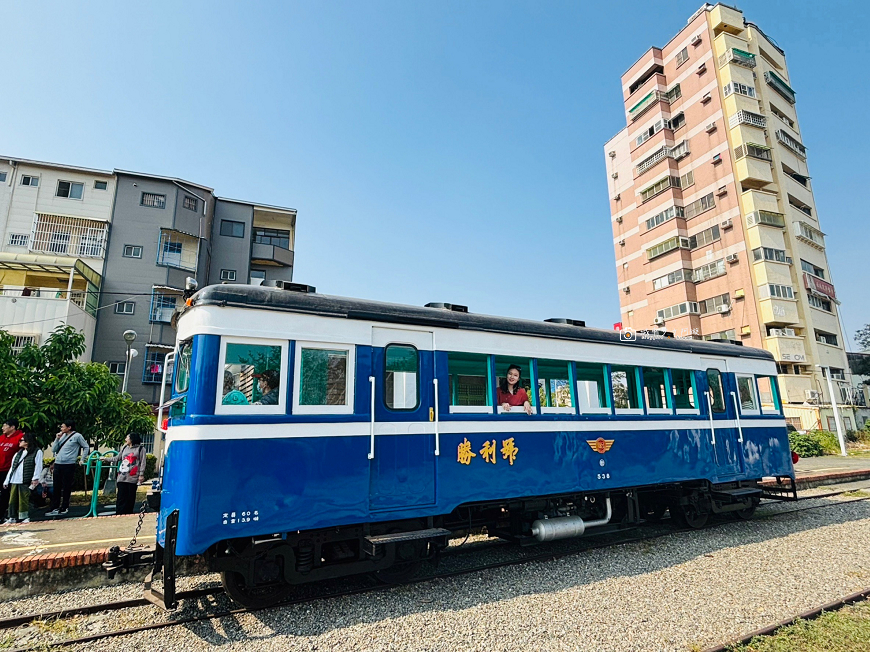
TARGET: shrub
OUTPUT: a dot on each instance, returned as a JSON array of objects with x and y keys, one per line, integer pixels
[
  {"x": 829, "y": 441},
  {"x": 806, "y": 444}
]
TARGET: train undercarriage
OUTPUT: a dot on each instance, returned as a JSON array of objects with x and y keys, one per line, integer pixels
[{"x": 263, "y": 570}]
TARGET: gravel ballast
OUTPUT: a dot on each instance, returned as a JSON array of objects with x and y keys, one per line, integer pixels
[{"x": 674, "y": 593}]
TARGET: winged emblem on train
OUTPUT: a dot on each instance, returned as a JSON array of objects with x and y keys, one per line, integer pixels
[{"x": 600, "y": 445}]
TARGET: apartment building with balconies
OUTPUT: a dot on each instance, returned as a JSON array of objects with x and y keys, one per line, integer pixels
[
  {"x": 54, "y": 223},
  {"x": 715, "y": 229},
  {"x": 166, "y": 230}
]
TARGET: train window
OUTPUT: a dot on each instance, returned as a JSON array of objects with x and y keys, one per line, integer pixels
[
  {"x": 626, "y": 394},
  {"x": 768, "y": 395},
  {"x": 655, "y": 390},
  {"x": 325, "y": 374},
  {"x": 592, "y": 395},
  {"x": 717, "y": 399},
  {"x": 684, "y": 391},
  {"x": 182, "y": 376},
  {"x": 554, "y": 386},
  {"x": 401, "y": 377},
  {"x": 746, "y": 395},
  {"x": 469, "y": 378},
  {"x": 252, "y": 376},
  {"x": 502, "y": 364}
]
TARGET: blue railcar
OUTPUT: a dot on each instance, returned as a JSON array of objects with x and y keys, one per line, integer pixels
[{"x": 311, "y": 437}]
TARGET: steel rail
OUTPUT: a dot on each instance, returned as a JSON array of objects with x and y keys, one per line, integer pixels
[
  {"x": 546, "y": 556},
  {"x": 812, "y": 614}
]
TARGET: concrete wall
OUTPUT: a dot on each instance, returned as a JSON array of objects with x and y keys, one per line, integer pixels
[{"x": 229, "y": 252}]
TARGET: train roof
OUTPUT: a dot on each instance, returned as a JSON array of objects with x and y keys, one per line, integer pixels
[{"x": 275, "y": 298}]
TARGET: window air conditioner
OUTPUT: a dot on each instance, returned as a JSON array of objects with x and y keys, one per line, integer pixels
[
  {"x": 702, "y": 69},
  {"x": 776, "y": 332},
  {"x": 622, "y": 243},
  {"x": 732, "y": 258},
  {"x": 616, "y": 197},
  {"x": 658, "y": 321},
  {"x": 788, "y": 332},
  {"x": 727, "y": 224},
  {"x": 723, "y": 190},
  {"x": 626, "y": 289},
  {"x": 710, "y": 127},
  {"x": 811, "y": 395},
  {"x": 725, "y": 308},
  {"x": 619, "y": 219},
  {"x": 706, "y": 98},
  {"x": 615, "y": 175},
  {"x": 696, "y": 39}
]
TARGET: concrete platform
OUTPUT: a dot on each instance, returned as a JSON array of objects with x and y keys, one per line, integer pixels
[{"x": 59, "y": 553}]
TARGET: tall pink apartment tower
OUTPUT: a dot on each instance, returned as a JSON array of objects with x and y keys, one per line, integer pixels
[{"x": 715, "y": 228}]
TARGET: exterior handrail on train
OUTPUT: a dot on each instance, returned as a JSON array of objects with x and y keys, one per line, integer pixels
[
  {"x": 170, "y": 357},
  {"x": 437, "y": 434},
  {"x": 709, "y": 394},
  {"x": 737, "y": 414},
  {"x": 372, "y": 427}
]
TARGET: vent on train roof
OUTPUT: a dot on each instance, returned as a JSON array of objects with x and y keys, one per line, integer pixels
[
  {"x": 291, "y": 287},
  {"x": 562, "y": 320},
  {"x": 455, "y": 307}
]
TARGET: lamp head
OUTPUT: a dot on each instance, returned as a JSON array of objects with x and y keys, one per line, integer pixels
[{"x": 129, "y": 336}]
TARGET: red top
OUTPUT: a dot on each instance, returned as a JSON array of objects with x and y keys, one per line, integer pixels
[
  {"x": 8, "y": 448},
  {"x": 512, "y": 399}
]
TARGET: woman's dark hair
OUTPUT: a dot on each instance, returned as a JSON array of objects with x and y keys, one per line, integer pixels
[
  {"x": 503, "y": 383},
  {"x": 135, "y": 438},
  {"x": 12, "y": 421},
  {"x": 32, "y": 446}
]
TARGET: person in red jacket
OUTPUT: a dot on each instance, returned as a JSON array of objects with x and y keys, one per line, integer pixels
[{"x": 10, "y": 435}]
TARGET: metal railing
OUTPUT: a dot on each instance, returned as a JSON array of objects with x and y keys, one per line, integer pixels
[
  {"x": 68, "y": 236},
  {"x": 747, "y": 118},
  {"x": 741, "y": 58}
]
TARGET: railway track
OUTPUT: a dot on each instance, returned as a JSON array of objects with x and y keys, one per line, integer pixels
[{"x": 578, "y": 547}]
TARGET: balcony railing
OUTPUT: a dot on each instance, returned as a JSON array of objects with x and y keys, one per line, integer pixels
[
  {"x": 768, "y": 218},
  {"x": 68, "y": 236},
  {"x": 808, "y": 234},
  {"x": 651, "y": 98},
  {"x": 78, "y": 297},
  {"x": 177, "y": 249},
  {"x": 754, "y": 151},
  {"x": 748, "y": 118},
  {"x": 740, "y": 57},
  {"x": 269, "y": 254},
  {"x": 778, "y": 84},
  {"x": 792, "y": 143}
]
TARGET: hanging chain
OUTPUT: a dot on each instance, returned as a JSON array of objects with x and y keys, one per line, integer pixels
[{"x": 139, "y": 524}]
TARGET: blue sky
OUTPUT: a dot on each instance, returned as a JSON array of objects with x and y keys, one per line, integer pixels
[{"x": 435, "y": 151}]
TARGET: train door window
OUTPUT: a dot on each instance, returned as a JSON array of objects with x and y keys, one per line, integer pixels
[
  {"x": 717, "y": 398},
  {"x": 554, "y": 387},
  {"x": 401, "y": 377},
  {"x": 768, "y": 395},
  {"x": 746, "y": 395},
  {"x": 685, "y": 393},
  {"x": 469, "y": 377},
  {"x": 592, "y": 396},
  {"x": 626, "y": 393},
  {"x": 182, "y": 375},
  {"x": 251, "y": 379},
  {"x": 655, "y": 390},
  {"x": 325, "y": 374},
  {"x": 502, "y": 364}
]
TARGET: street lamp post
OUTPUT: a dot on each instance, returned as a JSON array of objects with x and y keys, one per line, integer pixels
[
  {"x": 129, "y": 338},
  {"x": 840, "y": 435}
]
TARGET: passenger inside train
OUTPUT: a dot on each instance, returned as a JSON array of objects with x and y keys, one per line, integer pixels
[{"x": 510, "y": 391}]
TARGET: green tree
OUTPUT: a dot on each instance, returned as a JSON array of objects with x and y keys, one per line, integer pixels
[
  {"x": 862, "y": 337},
  {"x": 43, "y": 385}
]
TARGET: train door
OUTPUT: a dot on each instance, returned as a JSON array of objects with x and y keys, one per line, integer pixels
[
  {"x": 402, "y": 467},
  {"x": 725, "y": 436}
]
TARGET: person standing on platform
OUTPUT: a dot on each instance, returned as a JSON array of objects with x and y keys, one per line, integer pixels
[
  {"x": 131, "y": 472},
  {"x": 10, "y": 435},
  {"x": 67, "y": 446},
  {"x": 23, "y": 476}
]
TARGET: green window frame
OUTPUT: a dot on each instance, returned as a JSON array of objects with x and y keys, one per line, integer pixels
[
  {"x": 469, "y": 378},
  {"x": 625, "y": 388},
  {"x": 591, "y": 392}
]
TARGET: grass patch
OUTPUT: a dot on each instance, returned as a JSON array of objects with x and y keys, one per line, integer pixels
[
  {"x": 858, "y": 493},
  {"x": 59, "y": 627},
  {"x": 81, "y": 498},
  {"x": 846, "y": 630}
]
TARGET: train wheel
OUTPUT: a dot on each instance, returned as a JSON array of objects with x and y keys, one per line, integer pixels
[
  {"x": 253, "y": 597},
  {"x": 748, "y": 513},
  {"x": 689, "y": 516}
]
